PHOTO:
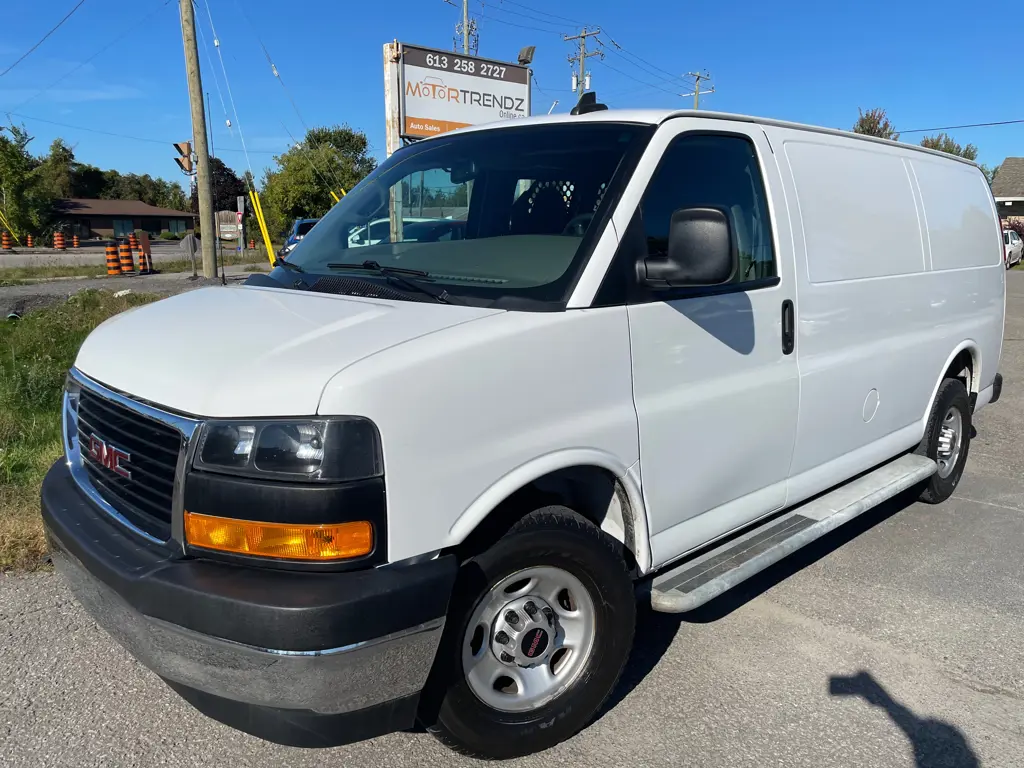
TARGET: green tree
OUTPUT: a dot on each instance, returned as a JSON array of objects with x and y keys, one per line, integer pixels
[
  {"x": 329, "y": 159},
  {"x": 875, "y": 122},
  {"x": 227, "y": 186},
  {"x": 55, "y": 173},
  {"x": 944, "y": 143},
  {"x": 26, "y": 205}
]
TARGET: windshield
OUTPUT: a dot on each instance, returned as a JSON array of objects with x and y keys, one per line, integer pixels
[
  {"x": 488, "y": 215},
  {"x": 303, "y": 227}
]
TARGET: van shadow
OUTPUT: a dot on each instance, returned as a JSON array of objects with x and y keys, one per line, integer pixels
[
  {"x": 728, "y": 317},
  {"x": 656, "y": 631},
  {"x": 936, "y": 743}
]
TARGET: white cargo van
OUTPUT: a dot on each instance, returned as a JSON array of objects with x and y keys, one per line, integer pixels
[{"x": 429, "y": 479}]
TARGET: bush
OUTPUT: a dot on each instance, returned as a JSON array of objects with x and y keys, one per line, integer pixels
[{"x": 168, "y": 235}]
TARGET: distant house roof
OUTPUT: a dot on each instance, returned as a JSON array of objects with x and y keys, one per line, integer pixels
[
  {"x": 81, "y": 206},
  {"x": 1009, "y": 181}
]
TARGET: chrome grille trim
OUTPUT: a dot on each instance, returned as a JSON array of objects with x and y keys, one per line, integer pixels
[{"x": 188, "y": 429}]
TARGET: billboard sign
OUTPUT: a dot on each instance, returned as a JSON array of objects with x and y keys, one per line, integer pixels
[{"x": 441, "y": 91}]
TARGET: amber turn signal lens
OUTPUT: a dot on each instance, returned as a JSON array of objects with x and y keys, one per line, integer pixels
[{"x": 318, "y": 543}]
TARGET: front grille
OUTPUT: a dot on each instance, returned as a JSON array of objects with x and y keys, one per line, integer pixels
[{"x": 153, "y": 448}]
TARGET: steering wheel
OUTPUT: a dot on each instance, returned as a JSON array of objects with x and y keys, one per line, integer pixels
[{"x": 578, "y": 225}]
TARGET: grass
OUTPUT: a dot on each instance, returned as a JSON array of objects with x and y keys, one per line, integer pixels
[
  {"x": 35, "y": 355},
  {"x": 14, "y": 275}
]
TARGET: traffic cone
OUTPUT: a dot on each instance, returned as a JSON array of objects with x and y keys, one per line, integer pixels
[
  {"x": 113, "y": 265},
  {"x": 5, "y": 241},
  {"x": 252, "y": 244},
  {"x": 58, "y": 241},
  {"x": 145, "y": 264},
  {"x": 124, "y": 257},
  {"x": 74, "y": 241},
  {"x": 28, "y": 241}
]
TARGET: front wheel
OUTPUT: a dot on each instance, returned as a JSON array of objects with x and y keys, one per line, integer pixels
[{"x": 539, "y": 630}]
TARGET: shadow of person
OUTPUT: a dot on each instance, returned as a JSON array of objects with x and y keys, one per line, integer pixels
[{"x": 936, "y": 744}]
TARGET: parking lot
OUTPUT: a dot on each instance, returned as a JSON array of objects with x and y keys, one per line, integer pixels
[{"x": 895, "y": 641}]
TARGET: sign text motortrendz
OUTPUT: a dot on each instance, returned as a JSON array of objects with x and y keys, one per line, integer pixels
[
  {"x": 440, "y": 91},
  {"x": 465, "y": 96}
]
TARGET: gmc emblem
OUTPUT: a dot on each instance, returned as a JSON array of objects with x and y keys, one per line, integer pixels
[{"x": 110, "y": 457}]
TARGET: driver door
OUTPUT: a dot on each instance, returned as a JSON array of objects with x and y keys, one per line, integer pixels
[{"x": 714, "y": 382}]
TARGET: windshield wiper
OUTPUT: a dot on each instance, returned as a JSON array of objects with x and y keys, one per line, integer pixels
[
  {"x": 279, "y": 262},
  {"x": 396, "y": 274},
  {"x": 374, "y": 266}
]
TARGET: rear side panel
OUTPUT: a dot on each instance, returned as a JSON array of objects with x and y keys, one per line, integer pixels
[{"x": 898, "y": 264}]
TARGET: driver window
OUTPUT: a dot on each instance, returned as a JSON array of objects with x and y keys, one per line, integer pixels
[{"x": 713, "y": 170}]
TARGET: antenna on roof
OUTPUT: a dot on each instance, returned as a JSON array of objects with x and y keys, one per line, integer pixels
[{"x": 588, "y": 103}]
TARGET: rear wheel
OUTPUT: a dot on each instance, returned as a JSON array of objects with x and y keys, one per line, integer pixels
[
  {"x": 947, "y": 440},
  {"x": 540, "y": 627}
]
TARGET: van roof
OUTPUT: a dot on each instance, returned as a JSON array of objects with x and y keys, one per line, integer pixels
[{"x": 658, "y": 116}]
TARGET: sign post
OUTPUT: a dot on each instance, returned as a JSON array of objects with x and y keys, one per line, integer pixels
[{"x": 240, "y": 205}]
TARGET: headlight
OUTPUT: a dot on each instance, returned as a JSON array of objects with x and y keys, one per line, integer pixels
[{"x": 326, "y": 450}]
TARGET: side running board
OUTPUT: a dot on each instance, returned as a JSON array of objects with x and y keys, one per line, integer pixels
[{"x": 697, "y": 581}]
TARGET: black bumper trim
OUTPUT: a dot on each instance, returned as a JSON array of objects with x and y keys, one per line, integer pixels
[
  {"x": 303, "y": 728},
  {"x": 265, "y": 608},
  {"x": 997, "y": 387}
]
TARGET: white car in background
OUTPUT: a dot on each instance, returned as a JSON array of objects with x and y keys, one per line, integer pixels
[
  {"x": 379, "y": 231},
  {"x": 1013, "y": 246}
]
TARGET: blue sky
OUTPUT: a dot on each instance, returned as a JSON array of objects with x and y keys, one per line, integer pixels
[{"x": 928, "y": 64}]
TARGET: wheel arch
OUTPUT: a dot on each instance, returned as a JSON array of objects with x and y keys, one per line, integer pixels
[
  {"x": 965, "y": 357},
  {"x": 593, "y": 483}
]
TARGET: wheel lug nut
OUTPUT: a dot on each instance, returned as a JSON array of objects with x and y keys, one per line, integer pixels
[
  {"x": 530, "y": 609},
  {"x": 507, "y": 658},
  {"x": 512, "y": 618},
  {"x": 548, "y": 614},
  {"x": 501, "y": 638}
]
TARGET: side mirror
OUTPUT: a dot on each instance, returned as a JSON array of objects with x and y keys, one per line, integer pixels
[{"x": 701, "y": 251}]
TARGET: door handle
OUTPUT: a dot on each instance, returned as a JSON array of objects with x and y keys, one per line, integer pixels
[{"x": 788, "y": 332}]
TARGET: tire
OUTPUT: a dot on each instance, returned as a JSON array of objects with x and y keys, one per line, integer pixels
[
  {"x": 951, "y": 404},
  {"x": 546, "y": 544}
]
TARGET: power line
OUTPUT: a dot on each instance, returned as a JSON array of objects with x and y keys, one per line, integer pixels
[
  {"x": 646, "y": 68},
  {"x": 110, "y": 44},
  {"x": 520, "y": 26},
  {"x": 543, "y": 13},
  {"x": 492, "y": 6},
  {"x": 636, "y": 79},
  {"x": 216, "y": 80},
  {"x": 43, "y": 38},
  {"x": 122, "y": 135},
  {"x": 971, "y": 125},
  {"x": 295, "y": 106}
]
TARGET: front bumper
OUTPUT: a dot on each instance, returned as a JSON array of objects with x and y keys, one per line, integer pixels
[{"x": 300, "y": 658}]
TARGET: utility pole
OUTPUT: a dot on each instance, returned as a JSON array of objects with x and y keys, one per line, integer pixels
[
  {"x": 466, "y": 29},
  {"x": 207, "y": 226},
  {"x": 697, "y": 92},
  {"x": 580, "y": 82}
]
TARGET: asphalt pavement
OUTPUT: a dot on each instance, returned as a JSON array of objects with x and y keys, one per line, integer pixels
[{"x": 895, "y": 641}]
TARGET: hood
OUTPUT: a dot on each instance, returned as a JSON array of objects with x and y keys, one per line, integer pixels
[{"x": 249, "y": 351}]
